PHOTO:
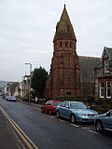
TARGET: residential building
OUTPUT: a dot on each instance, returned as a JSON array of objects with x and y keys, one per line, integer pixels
[
  {"x": 12, "y": 88},
  {"x": 103, "y": 75}
]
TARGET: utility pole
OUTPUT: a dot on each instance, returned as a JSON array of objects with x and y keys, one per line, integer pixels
[{"x": 29, "y": 81}]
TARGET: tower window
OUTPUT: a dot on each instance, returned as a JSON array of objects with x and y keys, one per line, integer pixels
[
  {"x": 65, "y": 44},
  {"x": 68, "y": 79},
  {"x": 68, "y": 29},
  {"x": 68, "y": 93},
  {"x": 70, "y": 45},
  {"x": 60, "y": 44}
]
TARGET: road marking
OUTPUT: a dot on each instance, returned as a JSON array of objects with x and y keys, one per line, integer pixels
[
  {"x": 36, "y": 108},
  {"x": 74, "y": 125},
  {"x": 85, "y": 127},
  {"x": 20, "y": 132},
  {"x": 52, "y": 117},
  {"x": 62, "y": 121},
  {"x": 23, "y": 147},
  {"x": 93, "y": 132}
]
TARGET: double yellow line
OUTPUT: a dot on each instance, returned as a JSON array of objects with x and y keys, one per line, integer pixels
[{"x": 28, "y": 142}]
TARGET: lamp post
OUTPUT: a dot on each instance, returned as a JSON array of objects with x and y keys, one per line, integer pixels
[{"x": 29, "y": 81}]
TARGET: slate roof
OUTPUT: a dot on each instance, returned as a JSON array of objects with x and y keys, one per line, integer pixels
[
  {"x": 87, "y": 65},
  {"x": 109, "y": 50}
]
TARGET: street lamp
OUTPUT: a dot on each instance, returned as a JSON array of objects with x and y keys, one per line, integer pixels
[{"x": 30, "y": 81}]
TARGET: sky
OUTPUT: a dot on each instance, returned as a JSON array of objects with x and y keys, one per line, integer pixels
[{"x": 27, "y": 28}]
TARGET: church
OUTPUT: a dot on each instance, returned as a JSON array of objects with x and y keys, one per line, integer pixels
[{"x": 68, "y": 71}]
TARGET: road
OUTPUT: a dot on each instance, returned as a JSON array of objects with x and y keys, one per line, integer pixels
[{"x": 48, "y": 132}]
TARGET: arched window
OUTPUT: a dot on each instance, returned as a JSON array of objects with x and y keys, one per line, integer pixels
[
  {"x": 68, "y": 29},
  {"x": 60, "y": 44},
  {"x": 66, "y": 44},
  {"x": 68, "y": 79},
  {"x": 70, "y": 44}
]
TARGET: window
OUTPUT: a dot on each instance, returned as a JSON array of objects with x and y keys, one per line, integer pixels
[
  {"x": 60, "y": 44},
  {"x": 70, "y": 45},
  {"x": 108, "y": 89},
  {"x": 68, "y": 93},
  {"x": 68, "y": 79},
  {"x": 65, "y": 44},
  {"x": 106, "y": 66},
  {"x": 102, "y": 90},
  {"x": 68, "y": 28}
]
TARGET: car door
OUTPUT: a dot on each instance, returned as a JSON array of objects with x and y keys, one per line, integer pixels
[
  {"x": 46, "y": 106},
  {"x": 62, "y": 109},
  {"x": 108, "y": 120},
  {"x": 67, "y": 111}
]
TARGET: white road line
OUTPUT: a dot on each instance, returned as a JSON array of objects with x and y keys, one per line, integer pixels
[
  {"x": 85, "y": 127},
  {"x": 36, "y": 108},
  {"x": 93, "y": 132},
  {"x": 74, "y": 125},
  {"x": 62, "y": 121},
  {"x": 52, "y": 117}
]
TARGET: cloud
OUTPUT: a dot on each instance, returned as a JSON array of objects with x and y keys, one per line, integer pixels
[{"x": 27, "y": 28}]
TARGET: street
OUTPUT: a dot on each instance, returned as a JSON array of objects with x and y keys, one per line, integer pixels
[{"x": 48, "y": 132}]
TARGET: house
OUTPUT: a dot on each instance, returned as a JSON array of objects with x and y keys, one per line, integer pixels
[
  {"x": 103, "y": 75},
  {"x": 12, "y": 88}
]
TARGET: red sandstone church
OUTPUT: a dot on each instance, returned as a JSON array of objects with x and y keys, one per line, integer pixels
[{"x": 69, "y": 71}]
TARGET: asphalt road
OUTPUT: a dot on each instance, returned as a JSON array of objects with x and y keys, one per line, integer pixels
[{"x": 48, "y": 132}]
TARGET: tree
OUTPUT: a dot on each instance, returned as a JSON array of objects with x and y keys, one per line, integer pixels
[{"x": 38, "y": 81}]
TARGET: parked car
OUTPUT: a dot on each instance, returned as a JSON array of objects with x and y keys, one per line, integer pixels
[
  {"x": 75, "y": 111},
  {"x": 11, "y": 98},
  {"x": 7, "y": 98},
  {"x": 50, "y": 106},
  {"x": 104, "y": 122}
]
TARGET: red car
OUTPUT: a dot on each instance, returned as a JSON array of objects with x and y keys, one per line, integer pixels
[{"x": 50, "y": 106}]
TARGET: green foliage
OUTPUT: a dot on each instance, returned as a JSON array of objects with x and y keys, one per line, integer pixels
[{"x": 38, "y": 81}]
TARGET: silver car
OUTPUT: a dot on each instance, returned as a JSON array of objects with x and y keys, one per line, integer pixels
[
  {"x": 75, "y": 111},
  {"x": 104, "y": 122}
]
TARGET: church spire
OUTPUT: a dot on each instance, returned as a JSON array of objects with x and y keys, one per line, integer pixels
[{"x": 64, "y": 28}]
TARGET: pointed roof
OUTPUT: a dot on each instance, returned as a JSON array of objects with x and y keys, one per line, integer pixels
[
  {"x": 108, "y": 52},
  {"x": 64, "y": 28}
]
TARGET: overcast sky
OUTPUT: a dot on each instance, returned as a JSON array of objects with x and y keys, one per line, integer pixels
[{"x": 27, "y": 28}]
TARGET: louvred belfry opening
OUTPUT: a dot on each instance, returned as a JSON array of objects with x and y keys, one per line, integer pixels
[{"x": 64, "y": 77}]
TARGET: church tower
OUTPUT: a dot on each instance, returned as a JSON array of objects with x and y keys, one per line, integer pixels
[{"x": 64, "y": 77}]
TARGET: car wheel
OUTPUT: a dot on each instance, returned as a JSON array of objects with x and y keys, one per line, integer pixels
[
  {"x": 73, "y": 118},
  {"x": 57, "y": 114},
  {"x": 99, "y": 127},
  {"x": 42, "y": 110}
]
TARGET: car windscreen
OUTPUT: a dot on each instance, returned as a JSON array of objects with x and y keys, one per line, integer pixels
[
  {"x": 77, "y": 106},
  {"x": 56, "y": 103}
]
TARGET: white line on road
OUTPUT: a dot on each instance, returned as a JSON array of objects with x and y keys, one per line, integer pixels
[
  {"x": 62, "y": 121},
  {"x": 74, "y": 125},
  {"x": 93, "y": 132},
  {"x": 52, "y": 117},
  {"x": 85, "y": 127},
  {"x": 36, "y": 108}
]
